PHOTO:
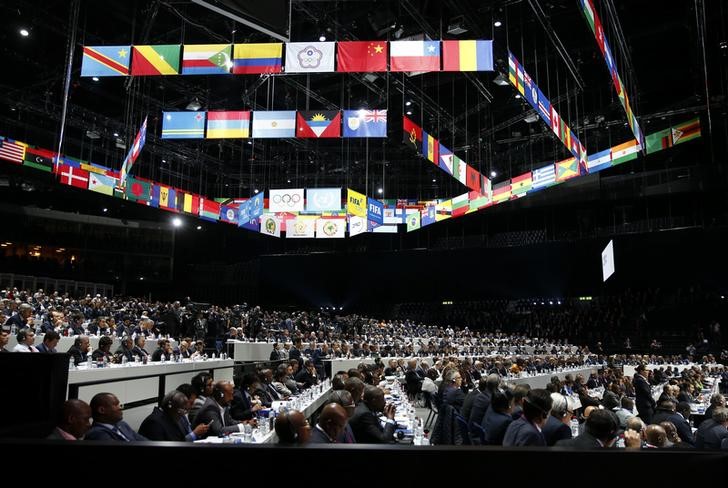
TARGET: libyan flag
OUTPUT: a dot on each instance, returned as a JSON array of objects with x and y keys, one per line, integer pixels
[{"x": 138, "y": 190}]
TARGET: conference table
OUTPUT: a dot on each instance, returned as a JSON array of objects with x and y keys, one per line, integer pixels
[
  {"x": 141, "y": 387},
  {"x": 243, "y": 351}
]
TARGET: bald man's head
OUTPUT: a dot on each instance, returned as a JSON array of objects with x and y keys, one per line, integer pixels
[
  {"x": 333, "y": 420},
  {"x": 76, "y": 418}
]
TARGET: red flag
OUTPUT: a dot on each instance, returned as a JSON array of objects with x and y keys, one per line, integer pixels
[
  {"x": 473, "y": 179},
  {"x": 73, "y": 176},
  {"x": 362, "y": 56}
]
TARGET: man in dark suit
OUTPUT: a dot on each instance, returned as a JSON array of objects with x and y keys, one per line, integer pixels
[
  {"x": 600, "y": 432},
  {"x": 666, "y": 412},
  {"x": 557, "y": 425},
  {"x": 79, "y": 350},
  {"x": 75, "y": 421},
  {"x": 526, "y": 430},
  {"x": 168, "y": 423},
  {"x": 307, "y": 376},
  {"x": 712, "y": 431},
  {"x": 50, "y": 341},
  {"x": 331, "y": 424},
  {"x": 643, "y": 395},
  {"x": 108, "y": 424},
  {"x": 215, "y": 412},
  {"x": 365, "y": 422},
  {"x": 482, "y": 399}
]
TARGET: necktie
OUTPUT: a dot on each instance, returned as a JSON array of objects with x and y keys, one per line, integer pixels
[{"x": 118, "y": 432}]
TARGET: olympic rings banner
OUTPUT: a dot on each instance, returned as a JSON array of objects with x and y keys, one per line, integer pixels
[{"x": 290, "y": 200}]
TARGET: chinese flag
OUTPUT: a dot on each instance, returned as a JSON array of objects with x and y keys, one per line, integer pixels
[{"x": 362, "y": 56}]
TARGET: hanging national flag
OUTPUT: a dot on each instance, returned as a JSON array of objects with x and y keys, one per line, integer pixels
[
  {"x": 101, "y": 184},
  {"x": 167, "y": 198},
  {"x": 162, "y": 59},
  {"x": 588, "y": 9},
  {"x": 228, "y": 124},
  {"x": 365, "y": 123},
  {"x": 12, "y": 151},
  {"x": 73, "y": 176},
  {"x": 599, "y": 161},
  {"x": 430, "y": 147},
  {"x": 543, "y": 177},
  {"x": 459, "y": 170},
  {"x": 209, "y": 209},
  {"x": 443, "y": 210},
  {"x": 190, "y": 203},
  {"x": 521, "y": 184},
  {"x": 274, "y": 124},
  {"x": 323, "y": 199},
  {"x": 96, "y": 168},
  {"x": 567, "y": 169},
  {"x": 136, "y": 148},
  {"x": 414, "y": 221},
  {"x": 446, "y": 159},
  {"x": 257, "y": 58},
  {"x": 356, "y": 203},
  {"x": 467, "y": 55},
  {"x": 310, "y": 57},
  {"x": 473, "y": 178},
  {"x": 38, "y": 159},
  {"x": 318, "y": 123},
  {"x": 544, "y": 107},
  {"x": 183, "y": 125},
  {"x": 625, "y": 152},
  {"x": 361, "y": 56},
  {"x": 270, "y": 225},
  {"x": 206, "y": 59},
  {"x": 519, "y": 79},
  {"x": 501, "y": 191},
  {"x": 414, "y": 56},
  {"x": 460, "y": 205},
  {"x": 138, "y": 190},
  {"x": 105, "y": 61},
  {"x": 583, "y": 166},
  {"x": 512, "y": 69},
  {"x": 229, "y": 214},
  {"x": 658, "y": 141},
  {"x": 428, "y": 216},
  {"x": 686, "y": 131},
  {"x": 412, "y": 133}
]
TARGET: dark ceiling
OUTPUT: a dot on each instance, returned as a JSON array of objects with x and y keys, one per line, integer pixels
[{"x": 659, "y": 52}]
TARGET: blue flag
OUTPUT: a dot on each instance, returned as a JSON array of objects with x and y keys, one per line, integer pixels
[
  {"x": 365, "y": 123},
  {"x": 375, "y": 211}
]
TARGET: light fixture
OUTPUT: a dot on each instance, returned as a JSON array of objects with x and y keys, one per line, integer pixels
[
  {"x": 518, "y": 96},
  {"x": 199, "y": 227},
  {"x": 141, "y": 278},
  {"x": 456, "y": 26},
  {"x": 497, "y": 23},
  {"x": 95, "y": 78},
  {"x": 408, "y": 103},
  {"x": 177, "y": 222},
  {"x": 93, "y": 134},
  {"x": 493, "y": 174},
  {"x": 289, "y": 181},
  {"x": 322, "y": 37},
  {"x": 256, "y": 191},
  {"x": 24, "y": 32},
  {"x": 194, "y": 104},
  {"x": 116, "y": 134},
  {"x": 105, "y": 210},
  {"x": 434, "y": 180},
  {"x": 501, "y": 80},
  {"x": 409, "y": 112},
  {"x": 380, "y": 191},
  {"x": 531, "y": 118}
]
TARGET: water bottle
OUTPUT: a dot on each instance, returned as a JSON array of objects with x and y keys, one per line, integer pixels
[
  {"x": 418, "y": 432},
  {"x": 248, "y": 433},
  {"x": 574, "y": 424},
  {"x": 71, "y": 364}
]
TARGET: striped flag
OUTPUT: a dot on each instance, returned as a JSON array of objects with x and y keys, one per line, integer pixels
[
  {"x": 101, "y": 184},
  {"x": 520, "y": 185},
  {"x": 12, "y": 151},
  {"x": 599, "y": 161},
  {"x": 412, "y": 133},
  {"x": 136, "y": 148},
  {"x": 567, "y": 169},
  {"x": 430, "y": 147},
  {"x": 167, "y": 198},
  {"x": 625, "y": 152},
  {"x": 162, "y": 59},
  {"x": 257, "y": 58},
  {"x": 414, "y": 56},
  {"x": 501, "y": 191},
  {"x": 686, "y": 132},
  {"x": 206, "y": 59},
  {"x": 658, "y": 141},
  {"x": 209, "y": 209},
  {"x": 273, "y": 124},
  {"x": 183, "y": 125},
  {"x": 39, "y": 159},
  {"x": 467, "y": 55},
  {"x": 228, "y": 124},
  {"x": 512, "y": 68},
  {"x": 543, "y": 177},
  {"x": 459, "y": 170},
  {"x": 105, "y": 61}
]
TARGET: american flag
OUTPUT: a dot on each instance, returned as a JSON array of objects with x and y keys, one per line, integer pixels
[
  {"x": 375, "y": 115},
  {"x": 12, "y": 151}
]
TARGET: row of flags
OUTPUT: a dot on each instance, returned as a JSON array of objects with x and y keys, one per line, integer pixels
[
  {"x": 274, "y": 124},
  {"x": 595, "y": 24},
  {"x": 325, "y": 212},
  {"x": 300, "y": 57},
  {"x": 527, "y": 87}
]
